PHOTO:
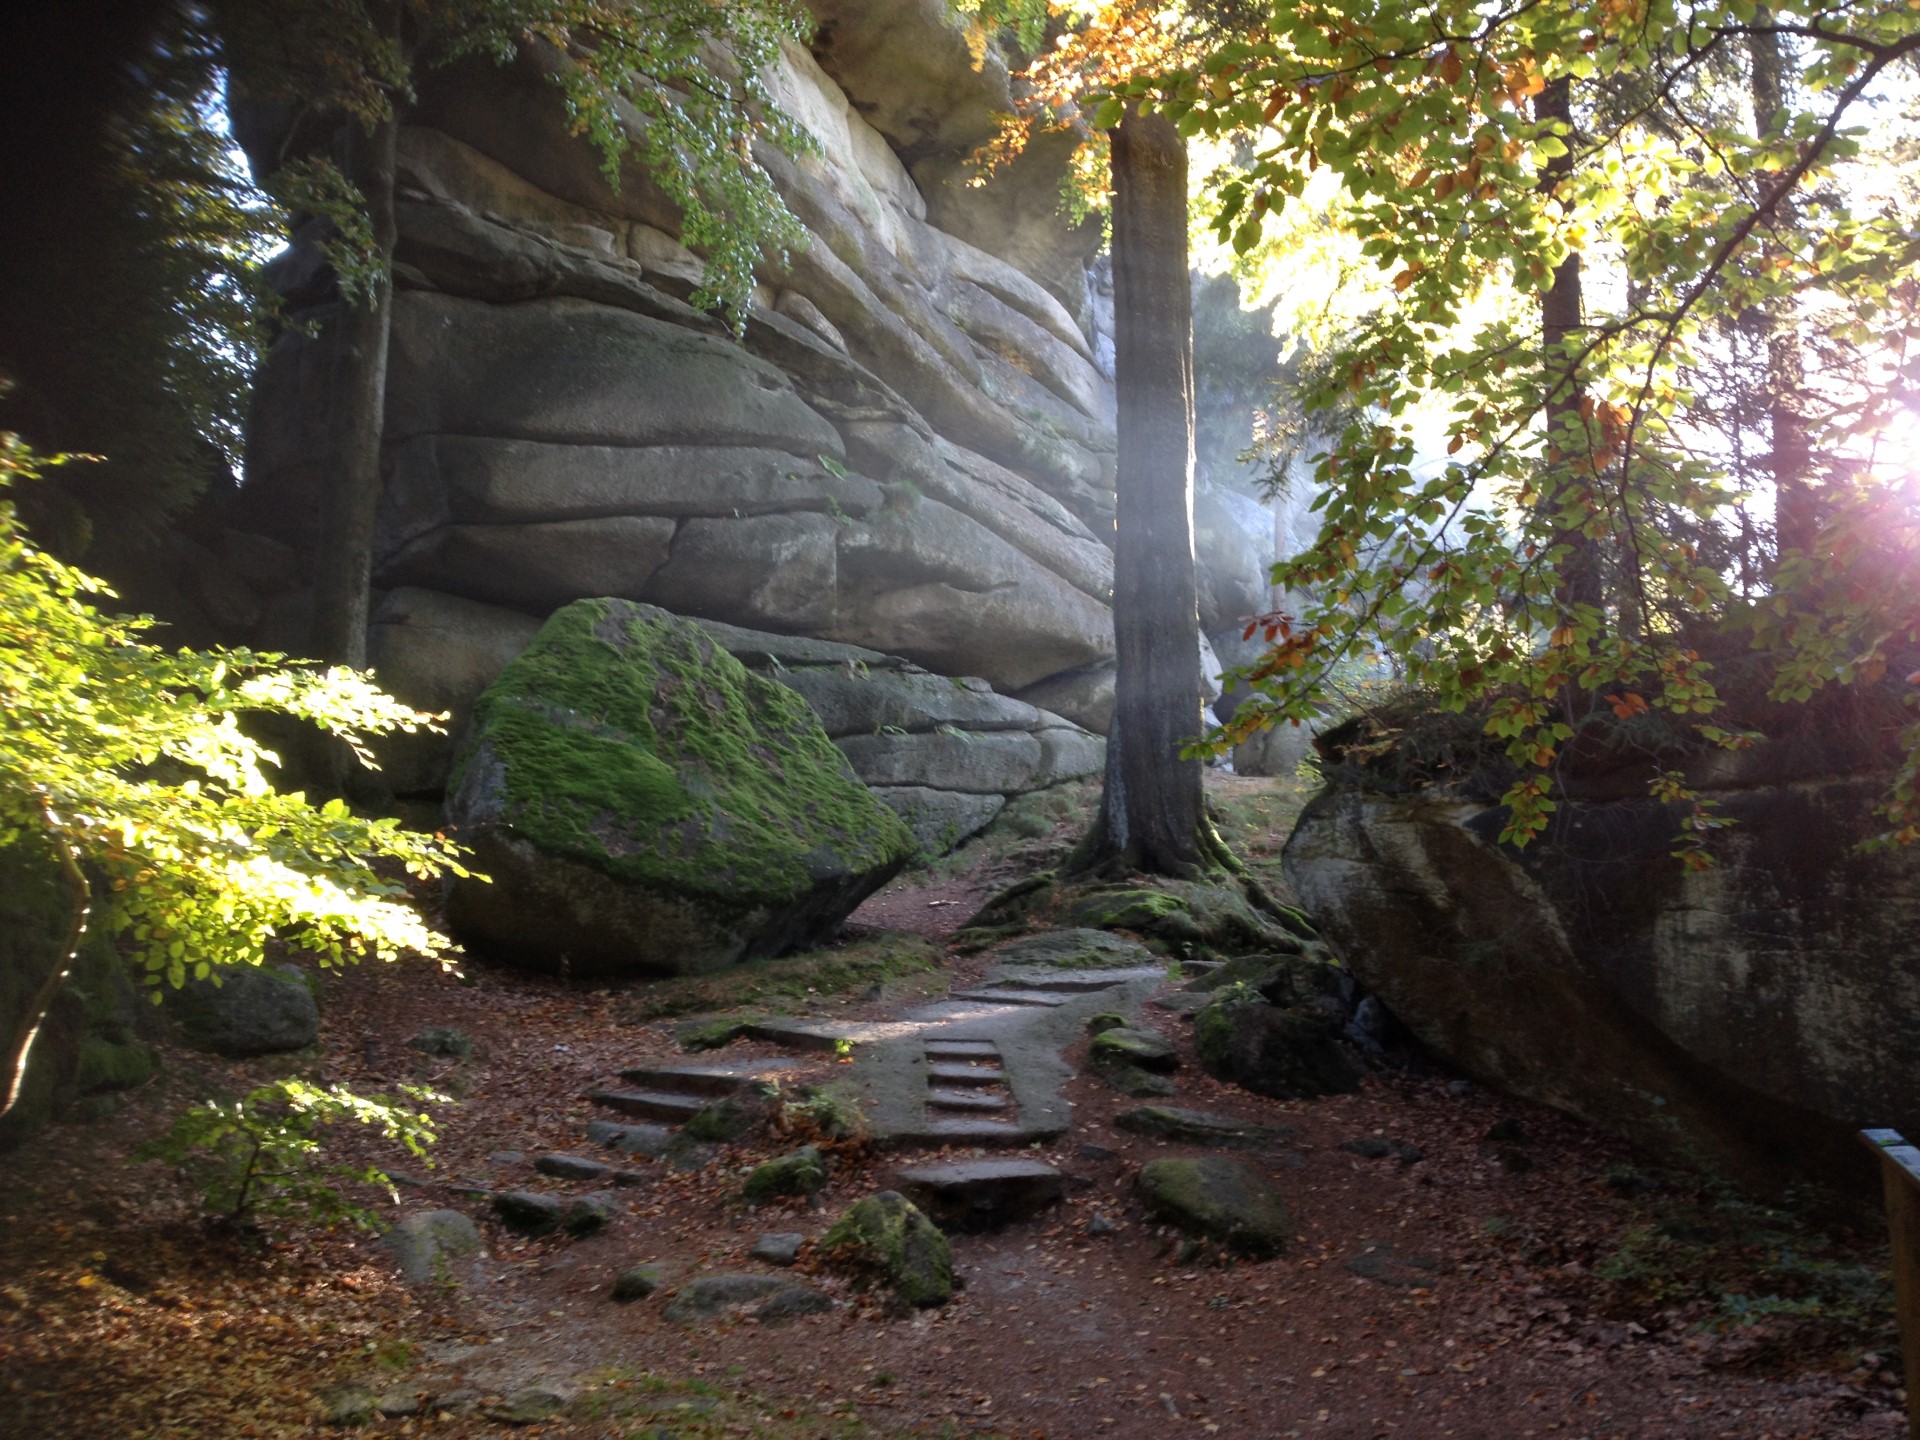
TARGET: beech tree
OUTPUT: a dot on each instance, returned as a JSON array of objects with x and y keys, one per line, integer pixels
[
  {"x": 126, "y": 764},
  {"x": 1153, "y": 815},
  {"x": 1556, "y": 570}
]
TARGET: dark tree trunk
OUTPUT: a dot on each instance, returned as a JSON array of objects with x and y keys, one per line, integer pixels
[
  {"x": 356, "y": 408},
  {"x": 1562, "y": 319},
  {"x": 1153, "y": 816},
  {"x": 1796, "y": 518}
]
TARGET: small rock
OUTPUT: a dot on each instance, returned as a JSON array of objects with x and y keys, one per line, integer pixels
[
  {"x": 1091, "y": 1151},
  {"x": 885, "y": 1238},
  {"x": 457, "y": 1402},
  {"x": 527, "y": 1212},
  {"x": 1131, "y": 1080},
  {"x": 527, "y": 1407},
  {"x": 1219, "y": 1200},
  {"x": 1106, "y": 1020},
  {"x": 1282, "y": 1054},
  {"x": 589, "y": 1215},
  {"x": 1098, "y": 1224},
  {"x": 443, "y": 1040},
  {"x": 637, "y": 1282},
  {"x": 253, "y": 1010},
  {"x": 791, "y": 1301},
  {"x": 506, "y": 1158},
  {"x": 1459, "y": 1089},
  {"x": 1368, "y": 1147},
  {"x": 400, "y": 1404},
  {"x": 713, "y": 1032},
  {"x": 781, "y": 1247},
  {"x": 733, "y": 1117},
  {"x": 1146, "y": 1049},
  {"x": 1512, "y": 1159},
  {"x": 1409, "y": 1154},
  {"x": 350, "y": 1405},
  {"x": 426, "y": 1244},
  {"x": 570, "y": 1167},
  {"x": 711, "y": 1295},
  {"x": 648, "y": 1140},
  {"x": 803, "y": 1172},
  {"x": 1393, "y": 1267},
  {"x": 1507, "y": 1132}
]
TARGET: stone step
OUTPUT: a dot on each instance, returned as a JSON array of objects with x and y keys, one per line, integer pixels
[
  {"x": 707, "y": 1079},
  {"x": 966, "y": 1075},
  {"x": 649, "y": 1104},
  {"x": 942, "y": 1048},
  {"x": 829, "y": 1034},
  {"x": 970, "y": 1129},
  {"x": 995, "y": 995},
  {"x": 1070, "y": 982},
  {"x": 965, "y": 1100},
  {"x": 956, "y": 1009},
  {"x": 982, "y": 1194}
]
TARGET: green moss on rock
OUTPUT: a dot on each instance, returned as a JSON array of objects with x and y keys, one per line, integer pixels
[
  {"x": 649, "y": 805},
  {"x": 886, "y": 1239},
  {"x": 1282, "y": 1054},
  {"x": 88, "y": 1043},
  {"x": 801, "y": 1173},
  {"x": 1219, "y": 1200}
]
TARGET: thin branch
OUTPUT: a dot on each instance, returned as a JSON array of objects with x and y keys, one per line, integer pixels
[{"x": 15, "y": 1064}]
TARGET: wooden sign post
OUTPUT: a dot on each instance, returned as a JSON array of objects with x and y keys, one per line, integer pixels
[{"x": 1900, "y": 1173}]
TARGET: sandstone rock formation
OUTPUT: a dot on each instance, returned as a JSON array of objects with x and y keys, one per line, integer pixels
[
  {"x": 644, "y": 805},
  {"x": 909, "y": 448},
  {"x": 1748, "y": 1017}
]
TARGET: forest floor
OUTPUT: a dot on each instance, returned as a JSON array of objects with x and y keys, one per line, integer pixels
[{"x": 1525, "y": 1276}]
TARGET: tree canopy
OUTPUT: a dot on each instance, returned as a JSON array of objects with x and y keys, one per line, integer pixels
[{"x": 1532, "y": 512}]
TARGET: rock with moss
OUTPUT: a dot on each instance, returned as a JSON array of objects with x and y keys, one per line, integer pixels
[
  {"x": 733, "y": 1117},
  {"x": 1146, "y": 1049},
  {"x": 1295, "y": 1054},
  {"x": 713, "y": 1032},
  {"x": 247, "y": 1010},
  {"x": 646, "y": 806},
  {"x": 801, "y": 1173},
  {"x": 1224, "y": 1202},
  {"x": 428, "y": 1245},
  {"x": 88, "y": 1044},
  {"x": 1130, "y": 1080},
  {"x": 886, "y": 1240}
]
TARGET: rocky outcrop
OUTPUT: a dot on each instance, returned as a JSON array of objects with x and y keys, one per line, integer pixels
[
  {"x": 644, "y": 805},
  {"x": 908, "y": 448},
  {"x": 1748, "y": 1017},
  {"x": 944, "y": 753}
]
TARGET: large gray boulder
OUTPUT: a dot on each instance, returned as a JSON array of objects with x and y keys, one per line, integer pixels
[
  {"x": 1749, "y": 1017},
  {"x": 645, "y": 805},
  {"x": 247, "y": 1010}
]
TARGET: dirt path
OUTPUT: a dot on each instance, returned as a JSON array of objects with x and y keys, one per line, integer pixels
[{"x": 1488, "y": 1288}]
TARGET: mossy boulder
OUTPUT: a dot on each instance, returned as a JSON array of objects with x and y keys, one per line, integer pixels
[
  {"x": 1146, "y": 1049},
  {"x": 1225, "y": 1202},
  {"x": 1283, "y": 1054},
  {"x": 88, "y": 1044},
  {"x": 885, "y": 1239},
  {"x": 801, "y": 1173},
  {"x": 647, "y": 806}
]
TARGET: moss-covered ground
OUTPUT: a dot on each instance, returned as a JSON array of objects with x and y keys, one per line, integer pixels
[{"x": 900, "y": 964}]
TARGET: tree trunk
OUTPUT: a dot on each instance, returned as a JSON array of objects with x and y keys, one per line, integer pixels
[
  {"x": 1562, "y": 319},
  {"x": 356, "y": 409},
  {"x": 1153, "y": 815},
  {"x": 1796, "y": 518}
]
